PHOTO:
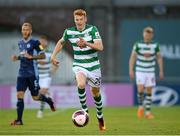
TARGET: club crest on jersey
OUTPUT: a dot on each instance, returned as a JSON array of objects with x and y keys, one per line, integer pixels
[
  {"x": 28, "y": 45},
  {"x": 86, "y": 34}
]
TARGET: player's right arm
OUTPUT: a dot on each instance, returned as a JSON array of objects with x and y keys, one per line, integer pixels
[
  {"x": 57, "y": 49},
  {"x": 132, "y": 61},
  {"x": 15, "y": 58}
]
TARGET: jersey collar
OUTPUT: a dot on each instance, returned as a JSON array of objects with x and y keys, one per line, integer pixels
[{"x": 27, "y": 39}]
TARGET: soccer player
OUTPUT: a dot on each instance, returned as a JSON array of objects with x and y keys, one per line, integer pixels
[
  {"x": 45, "y": 70},
  {"x": 86, "y": 42},
  {"x": 30, "y": 51},
  {"x": 145, "y": 53}
]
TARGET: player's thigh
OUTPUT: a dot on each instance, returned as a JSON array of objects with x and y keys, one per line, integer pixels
[
  {"x": 45, "y": 82},
  {"x": 94, "y": 78},
  {"x": 81, "y": 76},
  {"x": 22, "y": 84},
  {"x": 151, "y": 80},
  {"x": 34, "y": 85},
  {"x": 149, "y": 89},
  {"x": 140, "y": 81}
]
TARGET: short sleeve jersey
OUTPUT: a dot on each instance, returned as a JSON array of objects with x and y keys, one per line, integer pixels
[
  {"x": 28, "y": 67},
  {"x": 85, "y": 57}
]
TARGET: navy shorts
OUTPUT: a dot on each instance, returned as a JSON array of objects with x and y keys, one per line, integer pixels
[{"x": 32, "y": 83}]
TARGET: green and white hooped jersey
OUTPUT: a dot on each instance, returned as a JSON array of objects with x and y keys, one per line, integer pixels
[
  {"x": 44, "y": 70},
  {"x": 86, "y": 57},
  {"x": 146, "y": 56}
]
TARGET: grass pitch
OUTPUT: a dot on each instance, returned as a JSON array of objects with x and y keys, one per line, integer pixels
[{"x": 119, "y": 121}]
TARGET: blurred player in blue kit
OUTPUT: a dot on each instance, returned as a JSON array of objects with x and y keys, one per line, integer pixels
[{"x": 30, "y": 51}]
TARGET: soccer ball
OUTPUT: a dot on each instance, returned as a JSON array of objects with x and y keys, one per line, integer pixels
[{"x": 80, "y": 118}]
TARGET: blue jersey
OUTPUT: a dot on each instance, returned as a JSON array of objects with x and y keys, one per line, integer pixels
[{"x": 28, "y": 67}]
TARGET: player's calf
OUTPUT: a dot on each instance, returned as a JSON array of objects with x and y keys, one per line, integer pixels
[
  {"x": 51, "y": 104},
  {"x": 48, "y": 100}
]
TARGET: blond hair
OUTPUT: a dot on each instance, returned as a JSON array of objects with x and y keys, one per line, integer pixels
[
  {"x": 27, "y": 24},
  {"x": 79, "y": 12},
  {"x": 148, "y": 29}
]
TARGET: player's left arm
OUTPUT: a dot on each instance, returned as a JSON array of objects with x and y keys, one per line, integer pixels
[
  {"x": 160, "y": 63},
  {"x": 97, "y": 45},
  {"x": 54, "y": 69},
  {"x": 97, "y": 41},
  {"x": 35, "y": 57}
]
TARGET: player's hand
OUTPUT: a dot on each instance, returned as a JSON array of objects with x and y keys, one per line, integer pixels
[
  {"x": 161, "y": 75},
  {"x": 81, "y": 43},
  {"x": 55, "y": 61},
  {"x": 27, "y": 55},
  {"x": 14, "y": 58},
  {"x": 131, "y": 74}
]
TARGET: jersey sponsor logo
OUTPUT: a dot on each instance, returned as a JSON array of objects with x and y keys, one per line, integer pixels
[
  {"x": 164, "y": 96},
  {"x": 147, "y": 55}
]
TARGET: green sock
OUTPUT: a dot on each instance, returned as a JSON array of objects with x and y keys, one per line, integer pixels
[
  {"x": 82, "y": 98},
  {"x": 98, "y": 103},
  {"x": 42, "y": 106},
  {"x": 140, "y": 97},
  {"x": 148, "y": 103}
]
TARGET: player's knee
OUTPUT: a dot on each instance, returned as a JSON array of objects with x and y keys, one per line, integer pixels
[
  {"x": 149, "y": 90},
  {"x": 35, "y": 98},
  {"x": 81, "y": 85},
  {"x": 43, "y": 91},
  {"x": 20, "y": 94},
  {"x": 95, "y": 92},
  {"x": 141, "y": 88}
]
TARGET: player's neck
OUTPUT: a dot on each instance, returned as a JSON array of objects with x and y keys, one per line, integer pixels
[
  {"x": 27, "y": 39},
  {"x": 81, "y": 29},
  {"x": 147, "y": 41}
]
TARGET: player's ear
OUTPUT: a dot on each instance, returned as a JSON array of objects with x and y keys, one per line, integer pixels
[
  {"x": 85, "y": 19},
  {"x": 74, "y": 20}
]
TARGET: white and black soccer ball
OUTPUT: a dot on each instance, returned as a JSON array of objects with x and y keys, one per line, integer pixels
[{"x": 80, "y": 118}]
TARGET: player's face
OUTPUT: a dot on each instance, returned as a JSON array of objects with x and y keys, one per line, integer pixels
[
  {"x": 43, "y": 42},
  {"x": 147, "y": 36},
  {"x": 26, "y": 31},
  {"x": 80, "y": 21}
]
